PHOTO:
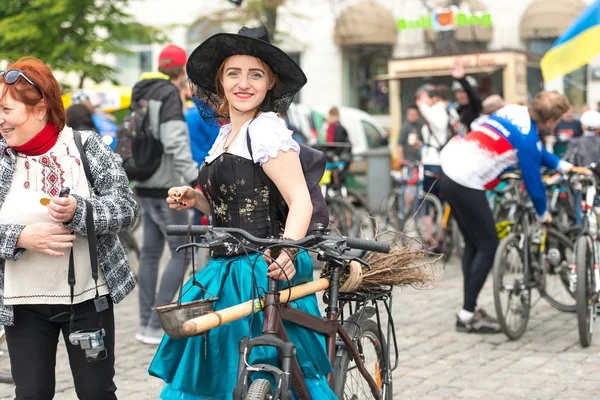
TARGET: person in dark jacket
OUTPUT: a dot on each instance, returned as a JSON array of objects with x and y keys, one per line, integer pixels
[
  {"x": 102, "y": 122},
  {"x": 465, "y": 89},
  {"x": 585, "y": 149},
  {"x": 177, "y": 166},
  {"x": 79, "y": 118},
  {"x": 336, "y": 133}
]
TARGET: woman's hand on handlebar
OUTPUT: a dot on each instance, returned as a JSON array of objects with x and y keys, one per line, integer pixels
[
  {"x": 181, "y": 198},
  {"x": 275, "y": 267},
  {"x": 580, "y": 170}
]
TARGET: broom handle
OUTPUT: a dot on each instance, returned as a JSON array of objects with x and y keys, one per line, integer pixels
[{"x": 198, "y": 325}]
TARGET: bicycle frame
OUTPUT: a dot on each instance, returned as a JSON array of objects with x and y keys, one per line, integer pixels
[{"x": 274, "y": 334}]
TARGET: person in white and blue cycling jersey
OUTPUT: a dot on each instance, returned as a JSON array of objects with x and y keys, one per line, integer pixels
[{"x": 471, "y": 164}]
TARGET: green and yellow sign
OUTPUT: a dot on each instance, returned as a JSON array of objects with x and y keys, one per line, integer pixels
[{"x": 446, "y": 19}]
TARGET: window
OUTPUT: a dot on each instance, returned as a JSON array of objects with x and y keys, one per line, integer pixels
[
  {"x": 575, "y": 87},
  {"x": 131, "y": 66},
  {"x": 145, "y": 61},
  {"x": 362, "y": 65},
  {"x": 540, "y": 46},
  {"x": 372, "y": 135}
]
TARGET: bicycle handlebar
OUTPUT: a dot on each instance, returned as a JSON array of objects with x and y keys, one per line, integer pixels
[
  {"x": 590, "y": 179},
  {"x": 355, "y": 243}
]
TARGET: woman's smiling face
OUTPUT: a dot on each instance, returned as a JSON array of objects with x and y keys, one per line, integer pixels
[
  {"x": 18, "y": 123},
  {"x": 245, "y": 83}
]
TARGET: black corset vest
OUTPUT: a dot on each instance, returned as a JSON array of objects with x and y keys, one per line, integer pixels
[{"x": 239, "y": 198}]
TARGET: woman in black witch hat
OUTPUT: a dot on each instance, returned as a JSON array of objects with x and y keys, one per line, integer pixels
[{"x": 247, "y": 81}]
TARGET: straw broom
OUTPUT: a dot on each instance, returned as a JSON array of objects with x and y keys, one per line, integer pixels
[{"x": 403, "y": 266}]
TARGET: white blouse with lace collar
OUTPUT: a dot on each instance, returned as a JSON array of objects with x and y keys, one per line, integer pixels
[{"x": 268, "y": 135}]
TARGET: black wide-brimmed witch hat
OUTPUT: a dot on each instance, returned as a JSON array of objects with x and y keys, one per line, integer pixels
[{"x": 205, "y": 60}]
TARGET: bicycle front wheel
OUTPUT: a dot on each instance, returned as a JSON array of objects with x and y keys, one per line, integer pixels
[
  {"x": 512, "y": 297},
  {"x": 348, "y": 383},
  {"x": 260, "y": 389},
  {"x": 585, "y": 289}
]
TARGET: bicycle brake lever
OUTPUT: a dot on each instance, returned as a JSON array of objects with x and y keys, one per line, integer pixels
[
  {"x": 208, "y": 240},
  {"x": 187, "y": 245}
]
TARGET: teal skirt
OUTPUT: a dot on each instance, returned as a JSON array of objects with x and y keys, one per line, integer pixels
[{"x": 205, "y": 366}]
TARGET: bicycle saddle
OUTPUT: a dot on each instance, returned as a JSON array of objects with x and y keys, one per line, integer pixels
[{"x": 509, "y": 176}]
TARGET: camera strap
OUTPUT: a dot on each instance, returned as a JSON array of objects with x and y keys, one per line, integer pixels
[{"x": 101, "y": 303}]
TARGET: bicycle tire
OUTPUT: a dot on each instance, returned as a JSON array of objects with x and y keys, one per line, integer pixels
[
  {"x": 452, "y": 241},
  {"x": 423, "y": 207},
  {"x": 369, "y": 329},
  {"x": 584, "y": 265},
  {"x": 390, "y": 211},
  {"x": 556, "y": 237},
  {"x": 342, "y": 217},
  {"x": 501, "y": 260},
  {"x": 366, "y": 228},
  {"x": 260, "y": 389}
]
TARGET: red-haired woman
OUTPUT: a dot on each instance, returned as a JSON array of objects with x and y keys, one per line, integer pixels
[{"x": 47, "y": 285}]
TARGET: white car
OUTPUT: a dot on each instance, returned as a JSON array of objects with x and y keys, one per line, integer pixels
[{"x": 364, "y": 131}]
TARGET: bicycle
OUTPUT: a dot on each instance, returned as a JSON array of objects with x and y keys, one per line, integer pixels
[
  {"x": 504, "y": 197},
  {"x": 585, "y": 277},
  {"x": 345, "y": 348},
  {"x": 562, "y": 202},
  {"x": 424, "y": 208},
  {"x": 451, "y": 237},
  {"x": 348, "y": 212},
  {"x": 529, "y": 252}
]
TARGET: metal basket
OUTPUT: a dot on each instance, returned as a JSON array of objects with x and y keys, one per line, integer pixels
[{"x": 173, "y": 315}]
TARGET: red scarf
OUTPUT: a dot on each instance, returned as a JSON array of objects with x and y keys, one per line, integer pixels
[{"x": 40, "y": 143}]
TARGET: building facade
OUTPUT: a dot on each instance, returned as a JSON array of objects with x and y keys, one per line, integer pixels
[{"x": 372, "y": 54}]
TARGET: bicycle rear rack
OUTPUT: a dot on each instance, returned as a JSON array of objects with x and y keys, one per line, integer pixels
[{"x": 357, "y": 302}]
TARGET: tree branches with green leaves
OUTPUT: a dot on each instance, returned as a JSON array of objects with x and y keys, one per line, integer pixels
[
  {"x": 67, "y": 34},
  {"x": 252, "y": 12}
]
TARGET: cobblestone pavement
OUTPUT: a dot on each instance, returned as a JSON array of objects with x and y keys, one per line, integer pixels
[{"x": 435, "y": 361}]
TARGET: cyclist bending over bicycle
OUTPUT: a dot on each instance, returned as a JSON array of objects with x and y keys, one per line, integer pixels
[
  {"x": 512, "y": 135},
  {"x": 234, "y": 191}
]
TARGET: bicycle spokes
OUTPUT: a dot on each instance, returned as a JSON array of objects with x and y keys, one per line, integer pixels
[{"x": 356, "y": 387}]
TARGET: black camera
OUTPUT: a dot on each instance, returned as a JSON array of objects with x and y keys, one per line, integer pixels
[{"x": 92, "y": 342}]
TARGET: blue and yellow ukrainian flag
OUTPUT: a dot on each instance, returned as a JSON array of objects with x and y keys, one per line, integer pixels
[{"x": 576, "y": 47}]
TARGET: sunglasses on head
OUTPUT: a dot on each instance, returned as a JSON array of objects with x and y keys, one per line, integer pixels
[{"x": 11, "y": 76}]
